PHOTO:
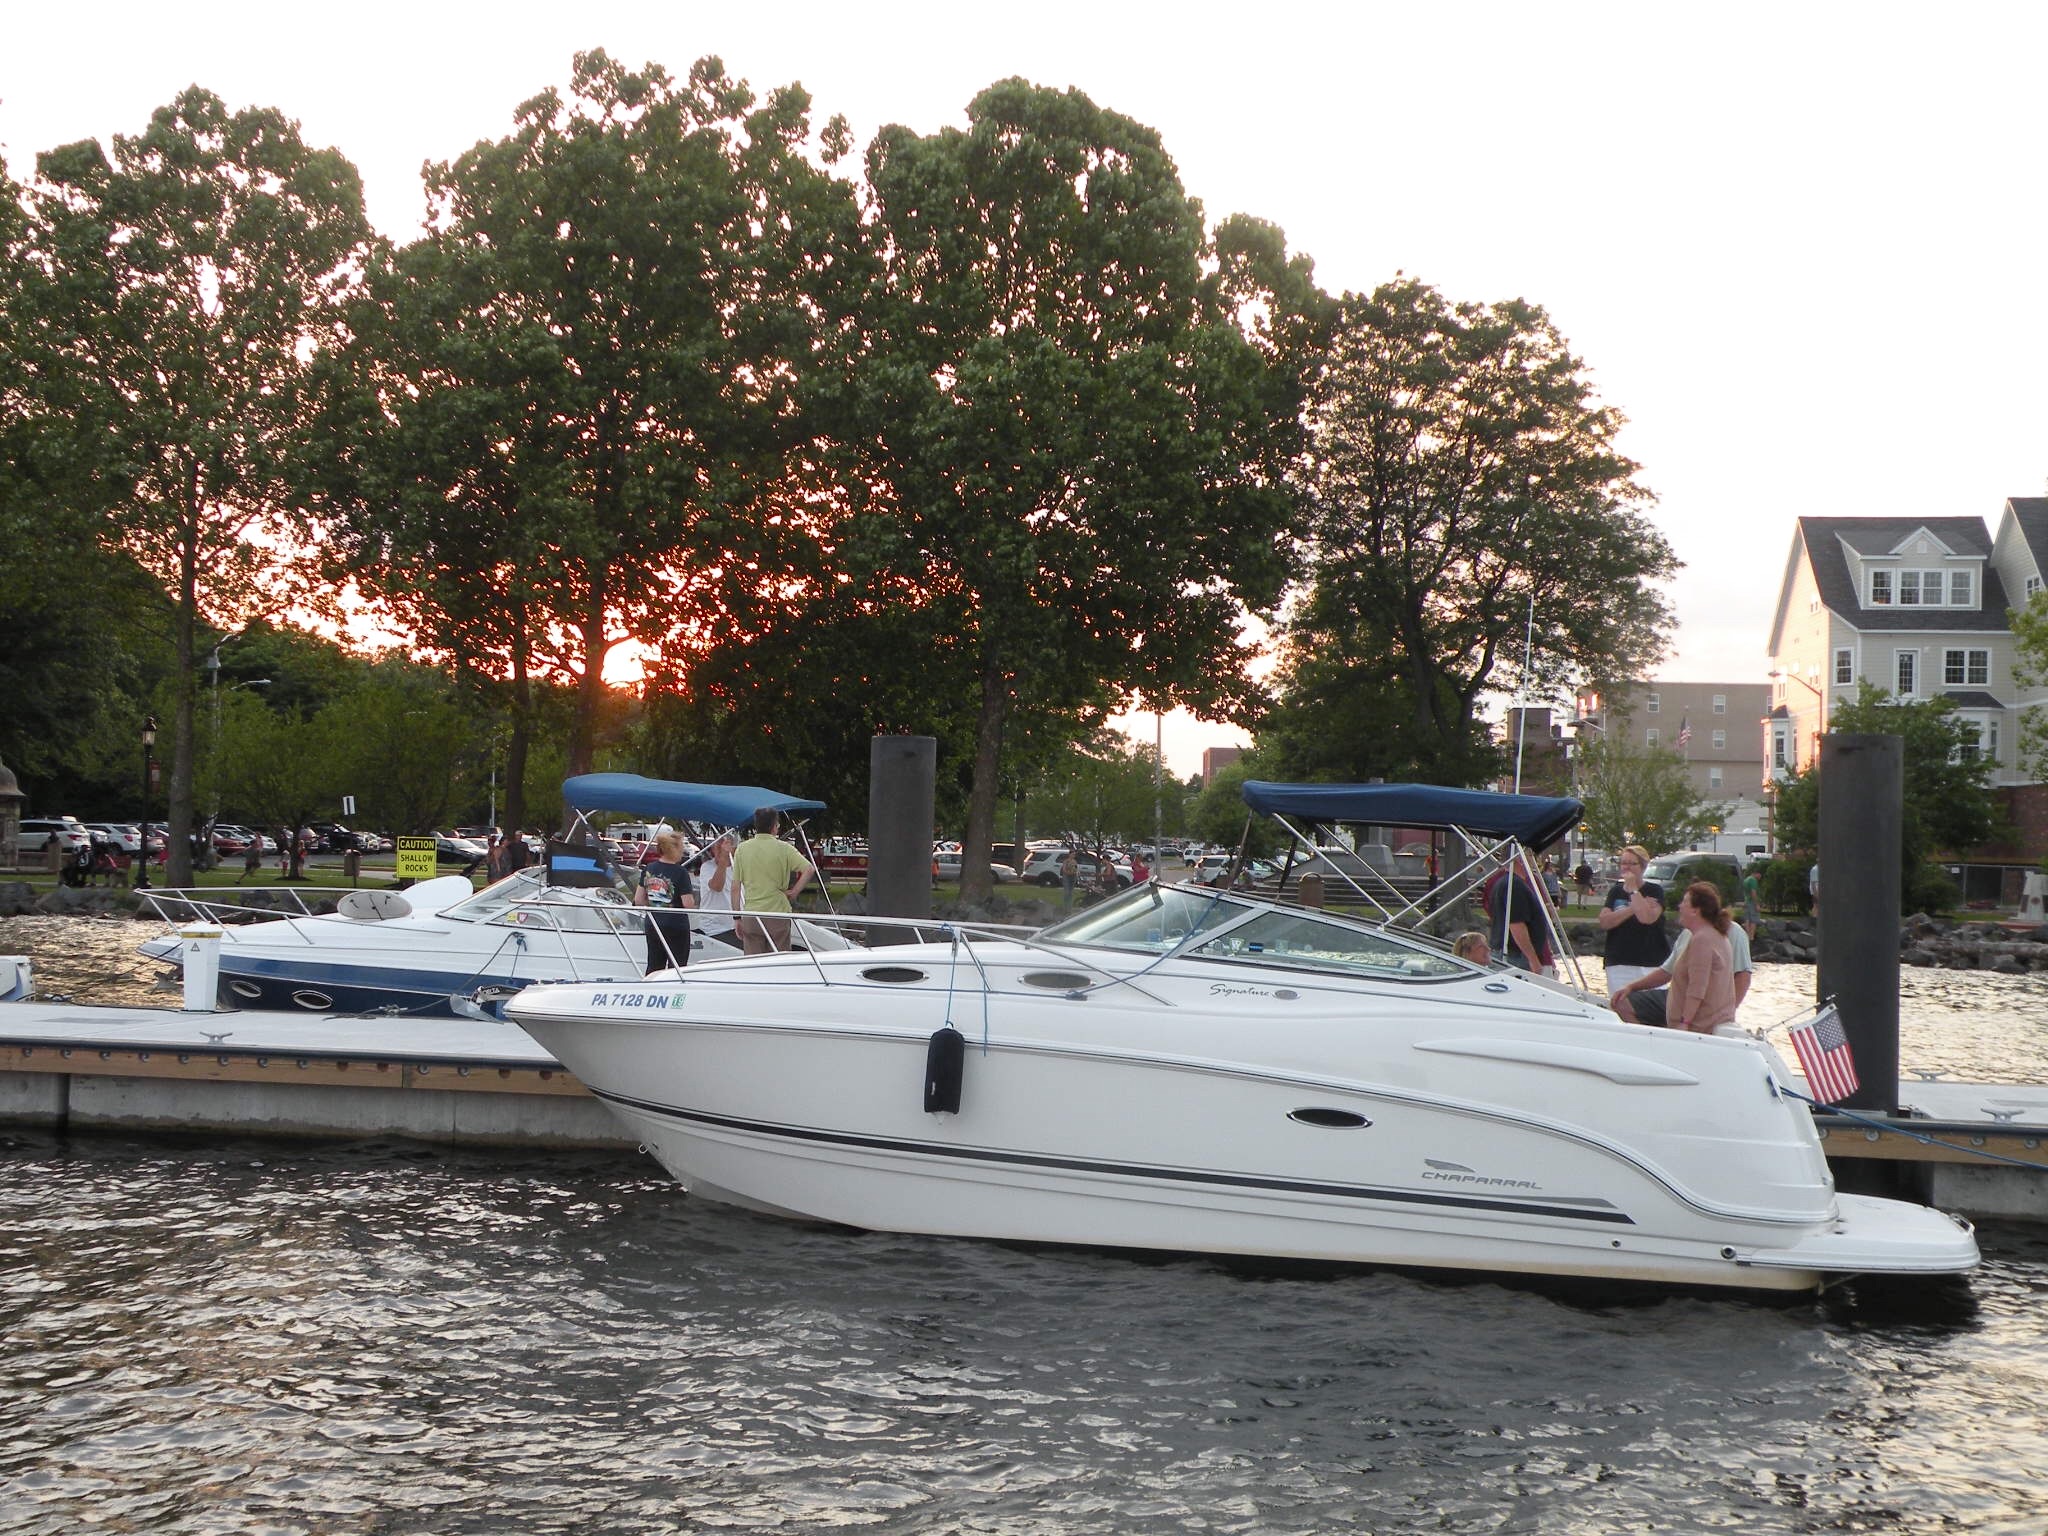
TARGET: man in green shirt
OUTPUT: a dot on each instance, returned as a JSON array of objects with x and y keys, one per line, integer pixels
[{"x": 770, "y": 875}]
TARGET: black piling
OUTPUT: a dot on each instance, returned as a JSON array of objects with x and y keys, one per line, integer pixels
[
  {"x": 902, "y": 778},
  {"x": 1862, "y": 781}
]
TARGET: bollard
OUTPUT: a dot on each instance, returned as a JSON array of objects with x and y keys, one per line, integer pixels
[
  {"x": 199, "y": 953},
  {"x": 1862, "y": 781},
  {"x": 902, "y": 774}
]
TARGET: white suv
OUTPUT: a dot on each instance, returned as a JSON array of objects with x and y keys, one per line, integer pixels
[
  {"x": 69, "y": 836},
  {"x": 1043, "y": 868}
]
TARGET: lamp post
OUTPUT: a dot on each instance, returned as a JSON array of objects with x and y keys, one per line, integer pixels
[{"x": 148, "y": 767}]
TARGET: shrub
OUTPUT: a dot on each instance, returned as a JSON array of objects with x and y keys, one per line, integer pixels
[
  {"x": 1930, "y": 890},
  {"x": 1784, "y": 882}
]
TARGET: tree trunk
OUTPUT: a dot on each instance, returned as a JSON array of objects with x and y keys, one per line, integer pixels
[
  {"x": 515, "y": 749},
  {"x": 590, "y": 688},
  {"x": 178, "y": 811},
  {"x": 976, "y": 880}
]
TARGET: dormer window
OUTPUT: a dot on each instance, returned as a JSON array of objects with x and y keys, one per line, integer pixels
[{"x": 1923, "y": 589}]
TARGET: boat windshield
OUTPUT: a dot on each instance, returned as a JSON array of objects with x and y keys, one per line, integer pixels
[
  {"x": 1150, "y": 917},
  {"x": 1214, "y": 926},
  {"x": 520, "y": 885},
  {"x": 527, "y": 888},
  {"x": 1313, "y": 942}
]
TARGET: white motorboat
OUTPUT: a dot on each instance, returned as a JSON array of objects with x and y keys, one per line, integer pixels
[
  {"x": 1201, "y": 1070},
  {"x": 443, "y": 946},
  {"x": 425, "y": 950}
]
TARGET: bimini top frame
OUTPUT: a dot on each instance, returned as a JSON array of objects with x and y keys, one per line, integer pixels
[{"x": 1494, "y": 829}]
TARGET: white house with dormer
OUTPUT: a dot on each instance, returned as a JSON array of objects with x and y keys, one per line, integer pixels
[{"x": 1917, "y": 606}]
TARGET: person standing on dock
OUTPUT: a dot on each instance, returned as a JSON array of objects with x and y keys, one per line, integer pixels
[
  {"x": 666, "y": 892},
  {"x": 771, "y": 875}
]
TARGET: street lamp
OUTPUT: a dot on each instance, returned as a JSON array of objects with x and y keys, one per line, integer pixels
[{"x": 148, "y": 764}]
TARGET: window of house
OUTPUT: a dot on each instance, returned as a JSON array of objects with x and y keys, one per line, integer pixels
[
  {"x": 1720, "y": 741},
  {"x": 1965, "y": 669},
  {"x": 1906, "y": 670},
  {"x": 2033, "y": 585},
  {"x": 1991, "y": 738},
  {"x": 1650, "y": 705},
  {"x": 1880, "y": 589},
  {"x": 1713, "y": 778},
  {"x": 1909, "y": 589},
  {"x": 1779, "y": 743},
  {"x": 1720, "y": 703},
  {"x": 1961, "y": 589},
  {"x": 1650, "y": 737},
  {"x": 1845, "y": 666}
]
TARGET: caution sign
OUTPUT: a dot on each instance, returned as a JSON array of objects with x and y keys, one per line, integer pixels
[{"x": 416, "y": 858}]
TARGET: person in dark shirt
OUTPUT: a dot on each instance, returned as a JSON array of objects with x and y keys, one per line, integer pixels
[
  {"x": 667, "y": 893},
  {"x": 1518, "y": 927},
  {"x": 1632, "y": 918}
]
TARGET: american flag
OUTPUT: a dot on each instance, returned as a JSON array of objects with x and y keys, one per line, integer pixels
[
  {"x": 1823, "y": 1051},
  {"x": 1684, "y": 733}
]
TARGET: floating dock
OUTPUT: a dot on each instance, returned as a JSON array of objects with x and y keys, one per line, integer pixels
[
  {"x": 1976, "y": 1148},
  {"x": 77, "y": 1066}
]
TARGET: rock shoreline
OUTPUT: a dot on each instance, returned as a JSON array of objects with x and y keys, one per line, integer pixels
[{"x": 1926, "y": 942}]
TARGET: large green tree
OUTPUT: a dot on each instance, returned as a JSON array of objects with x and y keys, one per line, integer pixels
[
  {"x": 1104, "y": 790},
  {"x": 578, "y": 413},
  {"x": 1640, "y": 794},
  {"x": 1947, "y": 797},
  {"x": 1077, "y": 407},
  {"x": 1462, "y": 471},
  {"x": 174, "y": 295}
]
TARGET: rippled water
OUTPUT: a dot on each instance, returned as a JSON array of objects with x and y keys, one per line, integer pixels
[
  {"x": 254, "y": 1338},
  {"x": 261, "y": 1337}
]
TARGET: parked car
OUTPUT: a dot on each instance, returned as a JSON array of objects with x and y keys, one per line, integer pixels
[
  {"x": 450, "y": 849},
  {"x": 1675, "y": 871},
  {"x": 230, "y": 842},
  {"x": 125, "y": 836},
  {"x": 1043, "y": 868},
  {"x": 333, "y": 837},
  {"x": 947, "y": 864},
  {"x": 37, "y": 834}
]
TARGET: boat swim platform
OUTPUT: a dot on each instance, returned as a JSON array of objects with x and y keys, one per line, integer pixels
[
  {"x": 1976, "y": 1148},
  {"x": 75, "y": 1066}
]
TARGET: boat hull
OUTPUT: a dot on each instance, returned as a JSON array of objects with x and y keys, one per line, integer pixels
[{"x": 1416, "y": 1155}]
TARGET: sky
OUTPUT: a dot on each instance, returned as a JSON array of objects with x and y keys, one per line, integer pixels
[{"x": 1799, "y": 246}]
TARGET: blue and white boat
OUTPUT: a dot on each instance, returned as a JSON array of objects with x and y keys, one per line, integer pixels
[{"x": 433, "y": 948}]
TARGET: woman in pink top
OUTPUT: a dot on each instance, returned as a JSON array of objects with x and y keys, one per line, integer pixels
[{"x": 1703, "y": 973}]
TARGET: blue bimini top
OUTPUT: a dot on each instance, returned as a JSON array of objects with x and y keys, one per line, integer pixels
[
  {"x": 1533, "y": 820},
  {"x": 723, "y": 805}
]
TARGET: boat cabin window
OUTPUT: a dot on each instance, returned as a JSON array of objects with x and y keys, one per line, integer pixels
[
  {"x": 1315, "y": 943},
  {"x": 1151, "y": 918}
]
